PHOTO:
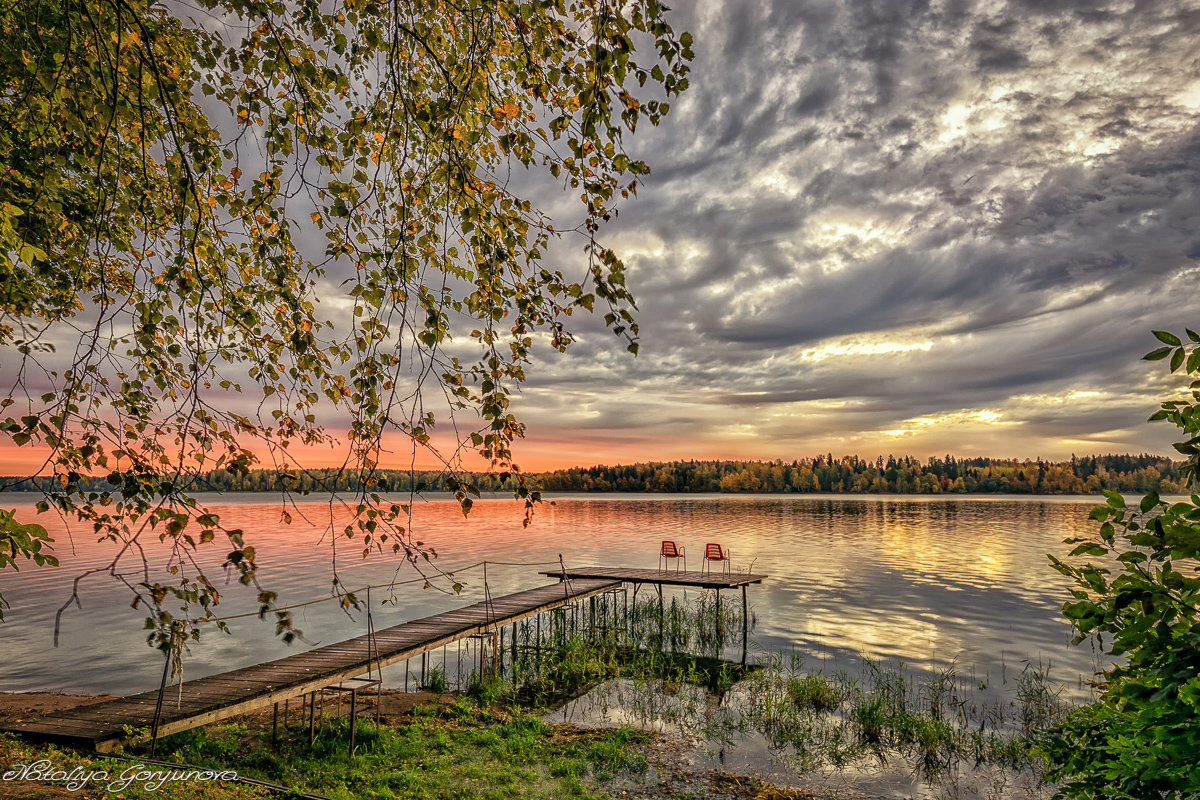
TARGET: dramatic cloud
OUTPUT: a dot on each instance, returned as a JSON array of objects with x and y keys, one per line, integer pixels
[
  {"x": 906, "y": 227},
  {"x": 891, "y": 226}
]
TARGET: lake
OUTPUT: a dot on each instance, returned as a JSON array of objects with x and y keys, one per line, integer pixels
[{"x": 927, "y": 581}]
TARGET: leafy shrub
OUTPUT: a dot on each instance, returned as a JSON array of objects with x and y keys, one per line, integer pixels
[{"x": 1141, "y": 601}]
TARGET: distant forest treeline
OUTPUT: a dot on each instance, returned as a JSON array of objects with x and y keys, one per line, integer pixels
[
  {"x": 903, "y": 475},
  {"x": 314, "y": 481}
]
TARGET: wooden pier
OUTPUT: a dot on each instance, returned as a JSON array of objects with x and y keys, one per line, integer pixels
[
  {"x": 664, "y": 577},
  {"x": 101, "y": 727},
  {"x": 660, "y": 577}
]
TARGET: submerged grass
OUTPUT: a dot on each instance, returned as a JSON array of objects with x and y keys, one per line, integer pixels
[
  {"x": 941, "y": 724},
  {"x": 936, "y": 724}
]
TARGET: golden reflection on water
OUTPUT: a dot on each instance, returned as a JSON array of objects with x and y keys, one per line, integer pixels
[{"x": 918, "y": 540}]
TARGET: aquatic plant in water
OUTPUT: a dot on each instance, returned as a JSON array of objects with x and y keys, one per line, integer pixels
[{"x": 660, "y": 667}]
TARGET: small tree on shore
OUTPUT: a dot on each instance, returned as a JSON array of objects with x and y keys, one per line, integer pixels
[
  {"x": 188, "y": 195},
  {"x": 1141, "y": 600}
]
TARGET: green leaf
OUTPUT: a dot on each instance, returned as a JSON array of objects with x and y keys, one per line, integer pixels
[
  {"x": 1177, "y": 359},
  {"x": 31, "y": 255},
  {"x": 1167, "y": 338},
  {"x": 1157, "y": 355},
  {"x": 1115, "y": 500}
]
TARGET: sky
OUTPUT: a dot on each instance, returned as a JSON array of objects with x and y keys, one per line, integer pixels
[
  {"x": 899, "y": 227},
  {"x": 873, "y": 227}
]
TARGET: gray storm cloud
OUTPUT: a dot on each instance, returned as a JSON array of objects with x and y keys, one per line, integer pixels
[{"x": 868, "y": 213}]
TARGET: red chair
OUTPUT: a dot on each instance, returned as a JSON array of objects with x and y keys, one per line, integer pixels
[
  {"x": 669, "y": 550},
  {"x": 714, "y": 552}
]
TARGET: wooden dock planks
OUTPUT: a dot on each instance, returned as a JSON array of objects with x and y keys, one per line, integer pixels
[
  {"x": 664, "y": 577},
  {"x": 202, "y": 701}
]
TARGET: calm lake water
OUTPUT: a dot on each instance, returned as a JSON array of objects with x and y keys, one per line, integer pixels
[{"x": 927, "y": 581}]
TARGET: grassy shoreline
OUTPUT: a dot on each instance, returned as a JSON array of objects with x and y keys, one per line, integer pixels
[{"x": 446, "y": 747}]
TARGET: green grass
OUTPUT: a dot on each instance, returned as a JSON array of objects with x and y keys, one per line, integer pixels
[
  {"x": 814, "y": 691},
  {"x": 454, "y": 752},
  {"x": 460, "y": 751}
]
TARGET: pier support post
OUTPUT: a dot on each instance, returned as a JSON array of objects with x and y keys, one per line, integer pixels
[
  {"x": 745, "y": 624},
  {"x": 662, "y": 613},
  {"x": 312, "y": 717},
  {"x": 719, "y": 641},
  {"x": 162, "y": 687}
]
